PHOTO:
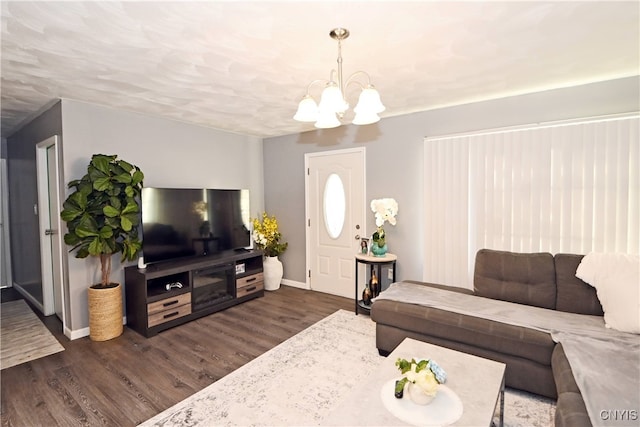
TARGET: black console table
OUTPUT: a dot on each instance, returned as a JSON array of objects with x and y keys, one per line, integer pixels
[{"x": 376, "y": 261}]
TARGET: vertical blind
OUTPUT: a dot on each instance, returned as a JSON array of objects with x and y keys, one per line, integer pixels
[{"x": 563, "y": 188}]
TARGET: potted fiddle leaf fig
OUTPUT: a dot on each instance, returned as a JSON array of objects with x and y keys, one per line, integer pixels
[{"x": 102, "y": 215}]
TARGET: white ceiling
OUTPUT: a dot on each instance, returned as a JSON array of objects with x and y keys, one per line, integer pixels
[{"x": 243, "y": 66}]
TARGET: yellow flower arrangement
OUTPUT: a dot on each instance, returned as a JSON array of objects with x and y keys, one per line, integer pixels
[{"x": 267, "y": 236}]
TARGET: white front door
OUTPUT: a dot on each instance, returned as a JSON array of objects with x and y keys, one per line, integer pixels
[{"x": 335, "y": 191}]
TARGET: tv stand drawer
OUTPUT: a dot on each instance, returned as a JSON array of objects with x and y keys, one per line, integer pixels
[
  {"x": 169, "y": 314},
  {"x": 249, "y": 280},
  {"x": 249, "y": 284},
  {"x": 169, "y": 303},
  {"x": 250, "y": 289}
]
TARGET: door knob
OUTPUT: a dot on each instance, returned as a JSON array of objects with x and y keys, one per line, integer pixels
[{"x": 357, "y": 237}]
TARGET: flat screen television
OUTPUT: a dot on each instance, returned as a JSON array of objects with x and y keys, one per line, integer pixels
[{"x": 186, "y": 222}]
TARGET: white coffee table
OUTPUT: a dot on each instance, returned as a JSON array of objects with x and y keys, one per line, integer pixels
[{"x": 478, "y": 382}]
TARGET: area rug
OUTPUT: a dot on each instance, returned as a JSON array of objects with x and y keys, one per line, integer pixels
[
  {"x": 23, "y": 337},
  {"x": 299, "y": 382}
]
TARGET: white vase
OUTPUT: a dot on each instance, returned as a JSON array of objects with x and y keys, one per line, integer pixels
[{"x": 272, "y": 267}]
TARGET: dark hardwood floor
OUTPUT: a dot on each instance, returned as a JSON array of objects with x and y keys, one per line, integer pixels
[{"x": 129, "y": 379}]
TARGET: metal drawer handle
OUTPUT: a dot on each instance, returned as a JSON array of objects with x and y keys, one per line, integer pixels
[
  {"x": 253, "y": 288},
  {"x": 175, "y": 313},
  {"x": 167, "y": 304},
  {"x": 253, "y": 279}
]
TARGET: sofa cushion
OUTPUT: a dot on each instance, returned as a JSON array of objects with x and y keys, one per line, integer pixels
[
  {"x": 574, "y": 295},
  {"x": 499, "y": 337},
  {"x": 525, "y": 278}
]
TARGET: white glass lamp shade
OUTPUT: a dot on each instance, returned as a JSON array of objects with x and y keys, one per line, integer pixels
[
  {"x": 365, "y": 118},
  {"x": 369, "y": 101},
  {"x": 327, "y": 119},
  {"x": 332, "y": 99},
  {"x": 307, "y": 110}
]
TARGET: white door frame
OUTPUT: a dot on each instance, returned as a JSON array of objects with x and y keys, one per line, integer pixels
[
  {"x": 307, "y": 202},
  {"x": 5, "y": 253},
  {"x": 56, "y": 224}
]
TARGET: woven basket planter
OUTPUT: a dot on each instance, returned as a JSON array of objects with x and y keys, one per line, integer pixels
[{"x": 105, "y": 312}]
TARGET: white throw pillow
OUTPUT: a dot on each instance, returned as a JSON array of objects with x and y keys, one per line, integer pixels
[{"x": 616, "y": 278}]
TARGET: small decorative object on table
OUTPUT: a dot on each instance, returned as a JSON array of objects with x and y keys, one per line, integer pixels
[
  {"x": 364, "y": 246},
  {"x": 374, "y": 285},
  {"x": 366, "y": 295},
  {"x": 385, "y": 210},
  {"x": 421, "y": 379},
  {"x": 379, "y": 247}
]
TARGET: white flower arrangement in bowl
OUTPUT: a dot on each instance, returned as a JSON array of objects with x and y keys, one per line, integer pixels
[
  {"x": 385, "y": 210},
  {"x": 421, "y": 378}
]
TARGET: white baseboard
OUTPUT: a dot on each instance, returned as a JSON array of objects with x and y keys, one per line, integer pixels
[
  {"x": 84, "y": 332},
  {"x": 77, "y": 333},
  {"x": 295, "y": 284}
]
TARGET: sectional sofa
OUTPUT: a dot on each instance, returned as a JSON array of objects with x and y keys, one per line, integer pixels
[{"x": 492, "y": 321}]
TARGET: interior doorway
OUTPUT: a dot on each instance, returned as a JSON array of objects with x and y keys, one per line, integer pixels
[
  {"x": 50, "y": 226},
  {"x": 335, "y": 200}
]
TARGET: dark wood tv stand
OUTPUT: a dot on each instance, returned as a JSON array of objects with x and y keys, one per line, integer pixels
[{"x": 171, "y": 293}]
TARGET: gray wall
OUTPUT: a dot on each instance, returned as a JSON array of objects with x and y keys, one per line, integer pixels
[
  {"x": 394, "y": 151},
  {"x": 170, "y": 153},
  {"x": 23, "y": 193}
]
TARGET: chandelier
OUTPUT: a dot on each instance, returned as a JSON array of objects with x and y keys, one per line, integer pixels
[{"x": 333, "y": 104}]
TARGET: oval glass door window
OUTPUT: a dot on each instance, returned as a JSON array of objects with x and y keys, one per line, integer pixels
[{"x": 334, "y": 205}]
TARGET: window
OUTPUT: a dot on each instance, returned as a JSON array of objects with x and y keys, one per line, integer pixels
[
  {"x": 334, "y": 205},
  {"x": 570, "y": 187}
]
